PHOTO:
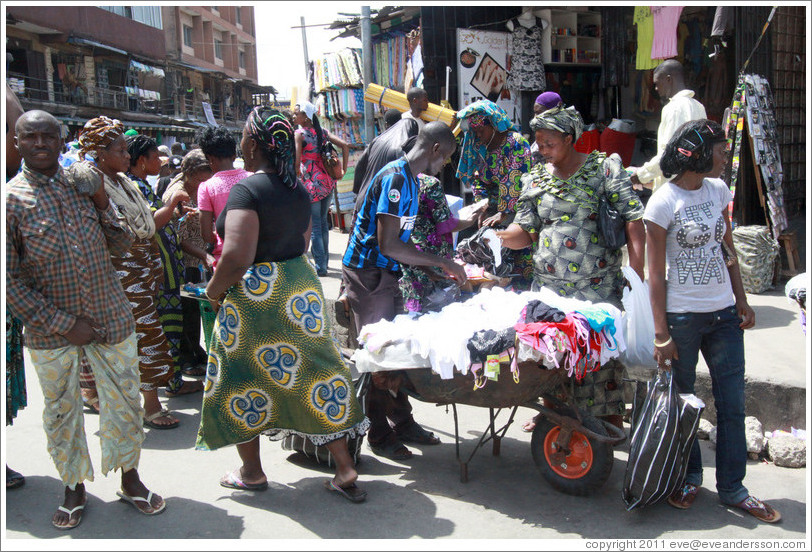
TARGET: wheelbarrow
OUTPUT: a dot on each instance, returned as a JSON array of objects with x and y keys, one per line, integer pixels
[{"x": 573, "y": 451}]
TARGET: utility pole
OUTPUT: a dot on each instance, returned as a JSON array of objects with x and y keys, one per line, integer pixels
[
  {"x": 306, "y": 59},
  {"x": 366, "y": 44}
]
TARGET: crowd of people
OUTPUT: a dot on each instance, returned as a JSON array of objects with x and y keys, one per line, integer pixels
[{"x": 97, "y": 258}]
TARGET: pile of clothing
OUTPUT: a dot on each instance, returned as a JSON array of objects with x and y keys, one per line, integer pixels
[{"x": 555, "y": 331}]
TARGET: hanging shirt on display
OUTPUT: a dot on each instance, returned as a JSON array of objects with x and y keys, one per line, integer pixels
[
  {"x": 666, "y": 19},
  {"x": 526, "y": 68},
  {"x": 645, "y": 36}
]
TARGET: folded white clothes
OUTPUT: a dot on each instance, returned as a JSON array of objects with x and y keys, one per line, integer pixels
[{"x": 440, "y": 339}]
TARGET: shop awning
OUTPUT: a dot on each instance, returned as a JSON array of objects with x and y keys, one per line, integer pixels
[
  {"x": 195, "y": 67},
  {"x": 94, "y": 44}
]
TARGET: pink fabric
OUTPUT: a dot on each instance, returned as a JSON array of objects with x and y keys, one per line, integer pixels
[
  {"x": 666, "y": 20},
  {"x": 212, "y": 196}
]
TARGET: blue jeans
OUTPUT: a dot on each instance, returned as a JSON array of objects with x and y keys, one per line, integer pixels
[
  {"x": 718, "y": 336},
  {"x": 320, "y": 234}
]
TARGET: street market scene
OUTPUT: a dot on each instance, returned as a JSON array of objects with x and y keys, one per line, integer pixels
[{"x": 463, "y": 272}]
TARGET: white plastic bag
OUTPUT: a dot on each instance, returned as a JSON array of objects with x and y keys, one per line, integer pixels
[{"x": 638, "y": 321}]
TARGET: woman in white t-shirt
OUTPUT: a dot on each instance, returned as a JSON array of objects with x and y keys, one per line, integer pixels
[{"x": 699, "y": 303}]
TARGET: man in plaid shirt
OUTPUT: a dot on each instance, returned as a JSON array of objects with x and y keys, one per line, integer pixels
[{"x": 62, "y": 286}]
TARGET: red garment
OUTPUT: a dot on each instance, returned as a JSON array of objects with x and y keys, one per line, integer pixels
[
  {"x": 588, "y": 142},
  {"x": 621, "y": 143}
]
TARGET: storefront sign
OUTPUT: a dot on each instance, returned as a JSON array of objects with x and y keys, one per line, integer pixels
[{"x": 481, "y": 70}]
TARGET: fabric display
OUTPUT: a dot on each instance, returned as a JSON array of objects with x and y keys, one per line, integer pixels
[
  {"x": 644, "y": 21},
  {"x": 758, "y": 252},
  {"x": 390, "y": 56},
  {"x": 346, "y": 103},
  {"x": 526, "y": 71},
  {"x": 338, "y": 70},
  {"x": 348, "y": 130},
  {"x": 457, "y": 336}
]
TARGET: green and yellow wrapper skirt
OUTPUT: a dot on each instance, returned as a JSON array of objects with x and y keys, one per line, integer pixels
[{"x": 273, "y": 366}]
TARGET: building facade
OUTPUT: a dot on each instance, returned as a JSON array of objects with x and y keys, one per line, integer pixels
[{"x": 159, "y": 69}]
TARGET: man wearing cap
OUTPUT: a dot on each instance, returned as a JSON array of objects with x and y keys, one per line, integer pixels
[{"x": 170, "y": 168}]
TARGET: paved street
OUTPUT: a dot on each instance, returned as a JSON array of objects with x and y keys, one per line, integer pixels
[{"x": 505, "y": 498}]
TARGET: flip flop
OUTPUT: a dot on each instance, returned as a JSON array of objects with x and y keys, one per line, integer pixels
[
  {"x": 136, "y": 500},
  {"x": 758, "y": 509},
  {"x": 352, "y": 492},
  {"x": 684, "y": 497},
  {"x": 14, "y": 479},
  {"x": 70, "y": 513},
  {"x": 232, "y": 480},
  {"x": 529, "y": 425},
  {"x": 150, "y": 423},
  {"x": 191, "y": 388}
]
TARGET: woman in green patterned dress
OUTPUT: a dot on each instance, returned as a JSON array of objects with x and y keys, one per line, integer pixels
[
  {"x": 273, "y": 366},
  {"x": 558, "y": 212}
]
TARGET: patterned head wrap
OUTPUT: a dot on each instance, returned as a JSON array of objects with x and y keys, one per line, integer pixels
[
  {"x": 194, "y": 160},
  {"x": 138, "y": 145},
  {"x": 97, "y": 134},
  {"x": 567, "y": 120},
  {"x": 476, "y": 115},
  {"x": 274, "y": 134}
]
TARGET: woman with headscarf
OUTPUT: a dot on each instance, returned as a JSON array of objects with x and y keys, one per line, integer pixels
[
  {"x": 139, "y": 268},
  {"x": 558, "y": 213},
  {"x": 146, "y": 161},
  {"x": 493, "y": 159},
  {"x": 310, "y": 138},
  {"x": 194, "y": 169},
  {"x": 699, "y": 302},
  {"x": 273, "y": 366}
]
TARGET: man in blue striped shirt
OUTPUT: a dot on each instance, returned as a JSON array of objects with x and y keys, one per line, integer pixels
[{"x": 379, "y": 242}]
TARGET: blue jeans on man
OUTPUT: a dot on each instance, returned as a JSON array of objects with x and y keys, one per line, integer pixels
[{"x": 720, "y": 339}]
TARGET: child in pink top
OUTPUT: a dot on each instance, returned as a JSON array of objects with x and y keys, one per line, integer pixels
[{"x": 212, "y": 196}]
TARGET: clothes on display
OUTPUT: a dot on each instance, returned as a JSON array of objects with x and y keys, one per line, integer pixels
[
  {"x": 589, "y": 336},
  {"x": 665, "y": 20},
  {"x": 644, "y": 20},
  {"x": 390, "y": 57},
  {"x": 526, "y": 71}
]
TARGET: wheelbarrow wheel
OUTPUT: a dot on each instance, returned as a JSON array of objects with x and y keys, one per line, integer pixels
[{"x": 587, "y": 466}]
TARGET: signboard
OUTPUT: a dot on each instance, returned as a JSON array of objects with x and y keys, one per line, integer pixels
[
  {"x": 482, "y": 71},
  {"x": 209, "y": 114}
]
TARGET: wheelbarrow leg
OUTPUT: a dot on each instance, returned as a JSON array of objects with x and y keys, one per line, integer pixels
[{"x": 463, "y": 465}]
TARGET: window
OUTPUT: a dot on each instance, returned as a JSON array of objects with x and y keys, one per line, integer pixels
[
  {"x": 242, "y": 59},
  {"x": 218, "y": 48},
  {"x": 187, "y": 36},
  {"x": 238, "y": 11},
  {"x": 215, "y": 9},
  {"x": 148, "y": 15}
]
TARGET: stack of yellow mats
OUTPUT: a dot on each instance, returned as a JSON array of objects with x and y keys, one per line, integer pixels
[{"x": 388, "y": 98}]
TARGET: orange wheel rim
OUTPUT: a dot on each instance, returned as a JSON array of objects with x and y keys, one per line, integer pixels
[{"x": 577, "y": 463}]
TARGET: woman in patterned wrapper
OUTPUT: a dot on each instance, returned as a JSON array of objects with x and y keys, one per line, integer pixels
[
  {"x": 558, "y": 212},
  {"x": 699, "y": 303},
  {"x": 493, "y": 158},
  {"x": 273, "y": 367}
]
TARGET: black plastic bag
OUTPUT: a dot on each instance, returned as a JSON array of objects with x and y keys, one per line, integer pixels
[
  {"x": 663, "y": 431},
  {"x": 475, "y": 251},
  {"x": 440, "y": 296}
]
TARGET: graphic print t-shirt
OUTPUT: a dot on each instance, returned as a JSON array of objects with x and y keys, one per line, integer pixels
[
  {"x": 697, "y": 279},
  {"x": 393, "y": 191}
]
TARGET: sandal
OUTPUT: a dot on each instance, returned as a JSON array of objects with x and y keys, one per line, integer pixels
[
  {"x": 233, "y": 480},
  {"x": 194, "y": 371},
  {"x": 186, "y": 388},
  {"x": 529, "y": 425},
  {"x": 415, "y": 433},
  {"x": 351, "y": 492},
  {"x": 392, "y": 449},
  {"x": 143, "y": 505},
  {"x": 92, "y": 404},
  {"x": 14, "y": 479},
  {"x": 758, "y": 509},
  {"x": 149, "y": 421},
  {"x": 73, "y": 522},
  {"x": 683, "y": 497}
]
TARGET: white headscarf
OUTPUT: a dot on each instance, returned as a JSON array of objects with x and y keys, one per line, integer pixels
[{"x": 308, "y": 108}]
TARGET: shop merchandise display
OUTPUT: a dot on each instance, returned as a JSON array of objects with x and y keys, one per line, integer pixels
[
  {"x": 644, "y": 20},
  {"x": 588, "y": 336},
  {"x": 338, "y": 70},
  {"x": 526, "y": 71}
]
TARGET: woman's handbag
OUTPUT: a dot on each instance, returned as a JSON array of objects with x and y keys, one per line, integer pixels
[
  {"x": 610, "y": 222},
  {"x": 663, "y": 430},
  {"x": 331, "y": 161}
]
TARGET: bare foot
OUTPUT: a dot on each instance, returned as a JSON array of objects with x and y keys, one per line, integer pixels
[{"x": 69, "y": 515}]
